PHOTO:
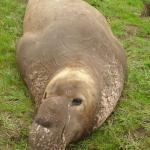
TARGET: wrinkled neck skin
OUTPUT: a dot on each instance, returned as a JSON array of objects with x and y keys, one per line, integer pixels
[{"x": 66, "y": 112}]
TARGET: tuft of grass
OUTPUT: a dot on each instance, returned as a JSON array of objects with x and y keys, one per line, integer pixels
[{"x": 129, "y": 126}]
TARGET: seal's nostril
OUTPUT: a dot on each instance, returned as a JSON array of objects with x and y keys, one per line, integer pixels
[{"x": 43, "y": 122}]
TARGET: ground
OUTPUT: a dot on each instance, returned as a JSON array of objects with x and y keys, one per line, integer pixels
[{"x": 128, "y": 128}]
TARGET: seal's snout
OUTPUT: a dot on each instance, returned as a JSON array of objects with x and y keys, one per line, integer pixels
[{"x": 47, "y": 131}]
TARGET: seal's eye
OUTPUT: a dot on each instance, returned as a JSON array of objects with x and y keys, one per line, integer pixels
[{"x": 76, "y": 101}]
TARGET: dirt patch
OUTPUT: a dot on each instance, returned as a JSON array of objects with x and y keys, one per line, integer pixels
[
  {"x": 137, "y": 134},
  {"x": 130, "y": 31},
  {"x": 141, "y": 132},
  {"x": 146, "y": 10}
]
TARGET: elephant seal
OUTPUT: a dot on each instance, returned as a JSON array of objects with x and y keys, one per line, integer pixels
[{"x": 73, "y": 66}]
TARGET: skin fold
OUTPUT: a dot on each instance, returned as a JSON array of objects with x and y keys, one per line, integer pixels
[{"x": 74, "y": 68}]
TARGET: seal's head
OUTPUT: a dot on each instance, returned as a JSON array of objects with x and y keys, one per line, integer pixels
[{"x": 66, "y": 112}]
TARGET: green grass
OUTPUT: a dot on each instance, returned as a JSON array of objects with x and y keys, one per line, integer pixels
[{"x": 129, "y": 126}]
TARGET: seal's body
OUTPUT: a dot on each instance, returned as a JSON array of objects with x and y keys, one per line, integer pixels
[{"x": 73, "y": 66}]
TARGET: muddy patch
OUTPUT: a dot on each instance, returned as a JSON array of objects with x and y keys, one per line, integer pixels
[
  {"x": 130, "y": 31},
  {"x": 146, "y": 10},
  {"x": 141, "y": 132}
]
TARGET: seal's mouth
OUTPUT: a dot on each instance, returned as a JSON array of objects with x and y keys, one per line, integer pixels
[{"x": 42, "y": 138}]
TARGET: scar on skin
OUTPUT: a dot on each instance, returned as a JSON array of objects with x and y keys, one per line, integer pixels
[{"x": 37, "y": 127}]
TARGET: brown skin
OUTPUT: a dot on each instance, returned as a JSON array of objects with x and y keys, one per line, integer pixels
[{"x": 60, "y": 34}]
